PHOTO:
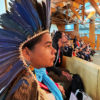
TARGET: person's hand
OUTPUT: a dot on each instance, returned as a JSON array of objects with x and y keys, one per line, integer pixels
[
  {"x": 82, "y": 56},
  {"x": 69, "y": 77},
  {"x": 61, "y": 89}
]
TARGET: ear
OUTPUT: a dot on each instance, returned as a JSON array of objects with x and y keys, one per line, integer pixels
[{"x": 26, "y": 53}]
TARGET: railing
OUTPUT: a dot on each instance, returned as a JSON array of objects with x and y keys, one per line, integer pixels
[{"x": 89, "y": 73}]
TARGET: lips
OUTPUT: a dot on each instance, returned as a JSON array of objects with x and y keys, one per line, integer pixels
[{"x": 53, "y": 58}]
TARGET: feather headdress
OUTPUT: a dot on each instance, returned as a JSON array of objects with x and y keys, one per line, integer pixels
[{"x": 25, "y": 18}]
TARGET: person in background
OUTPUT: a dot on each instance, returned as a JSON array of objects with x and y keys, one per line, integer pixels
[
  {"x": 80, "y": 53},
  {"x": 78, "y": 43},
  {"x": 56, "y": 73},
  {"x": 74, "y": 41}
]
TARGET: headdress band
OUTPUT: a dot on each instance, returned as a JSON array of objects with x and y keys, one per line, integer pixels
[{"x": 22, "y": 44}]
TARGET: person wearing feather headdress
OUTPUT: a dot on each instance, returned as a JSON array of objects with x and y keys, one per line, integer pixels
[{"x": 25, "y": 44}]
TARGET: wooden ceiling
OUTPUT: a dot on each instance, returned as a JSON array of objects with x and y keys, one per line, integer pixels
[{"x": 71, "y": 11}]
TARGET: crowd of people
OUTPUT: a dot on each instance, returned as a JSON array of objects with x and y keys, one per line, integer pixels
[
  {"x": 78, "y": 48},
  {"x": 82, "y": 50}
]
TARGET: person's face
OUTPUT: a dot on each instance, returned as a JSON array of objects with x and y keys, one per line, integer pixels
[
  {"x": 80, "y": 49},
  {"x": 64, "y": 38},
  {"x": 43, "y": 54},
  {"x": 76, "y": 50}
]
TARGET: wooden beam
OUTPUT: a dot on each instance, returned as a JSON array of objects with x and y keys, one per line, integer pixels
[
  {"x": 6, "y": 7},
  {"x": 86, "y": 1},
  {"x": 90, "y": 15},
  {"x": 85, "y": 14},
  {"x": 96, "y": 1},
  {"x": 58, "y": 1},
  {"x": 53, "y": 10},
  {"x": 61, "y": 4},
  {"x": 53, "y": 5},
  {"x": 76, "y": 5},
  {"x": 98, "y": 41},
  {"x": 76, "y": 13},
  {"x": 72, "y": 17},
  {"x": 83, "y": 10},
  {"x": 94, "y": 4},
  {"x": 92, "y": 33},
  {"x": 79, "y": 1}
]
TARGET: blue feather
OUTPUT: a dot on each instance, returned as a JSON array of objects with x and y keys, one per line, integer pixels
[
  {"x": 28, "y": 5},
  {"x": 26, "y": 16},
  {"x": 7, "y": 44},
  {"x": 7, "y": 49},
  {"x": 9, "y": 77},
  {"x": 9, "y": 41},
  {"x": 48, "y": 4},
  {"x": 6, "y": 54},
  {"x": 12, "y": 34},
  {"x": 8, "y": 63},
  {"x": 18, "y": 19},
  {"x": 3, "y": 60}
]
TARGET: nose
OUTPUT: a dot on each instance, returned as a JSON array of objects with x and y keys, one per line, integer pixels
[{"x": 54, "y": 51}]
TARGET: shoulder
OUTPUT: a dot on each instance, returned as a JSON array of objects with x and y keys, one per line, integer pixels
[{"x": 22, "y": 88}]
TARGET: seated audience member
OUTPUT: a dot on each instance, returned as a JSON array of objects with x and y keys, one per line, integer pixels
[
  {"x": 78, "y": 43},
  {"x": 74, "y": 53},
  {"x": 87, "y": 53},
  {"x": 68, "y": 36},
  {"x": 56, "y": 73},
  {"x": 74, "y": 41},
  {"x": 80, "y": 53},
  {"x": 81, "y": 43}
]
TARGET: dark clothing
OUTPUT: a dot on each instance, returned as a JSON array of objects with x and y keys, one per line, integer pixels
[
  {"x": 74, "y": 41},
  {"x": 55, "y": 70},
  {"x": 87, "y": 57},
  {"x": 59, "y": 56},
  {"x": 68, "y": 51},
  {"x": 80, "y": 54},
  {"x": 84, "y": 49},
  {"x": 92, "y": 52}
]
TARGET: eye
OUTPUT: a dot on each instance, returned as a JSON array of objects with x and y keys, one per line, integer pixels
[{"x": 48, "y": 45}]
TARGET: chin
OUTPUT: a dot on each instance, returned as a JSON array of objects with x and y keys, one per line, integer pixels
[{"x": 49, "y": 65}]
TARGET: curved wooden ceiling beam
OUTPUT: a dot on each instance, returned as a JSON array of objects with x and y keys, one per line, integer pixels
[
  {"x": 94, "y": 4},
  {"x": 76, "y": 13}
]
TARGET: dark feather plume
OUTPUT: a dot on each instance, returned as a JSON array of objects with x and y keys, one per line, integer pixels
[{"x": 25, "y": 18}]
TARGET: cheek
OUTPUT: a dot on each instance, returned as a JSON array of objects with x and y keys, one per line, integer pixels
[
  {"x": 45, "y": 56},
  {"x": 42, "y": 57}
]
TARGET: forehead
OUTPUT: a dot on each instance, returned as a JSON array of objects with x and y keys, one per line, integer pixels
[{"x": 46, "y": 38}]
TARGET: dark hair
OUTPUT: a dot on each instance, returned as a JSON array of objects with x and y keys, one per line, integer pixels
[
  {"x": 56, "y": 38},
  {"x": 30, "y": 45}
]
